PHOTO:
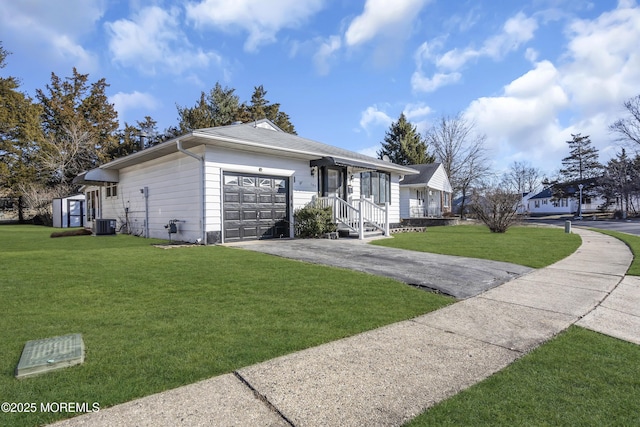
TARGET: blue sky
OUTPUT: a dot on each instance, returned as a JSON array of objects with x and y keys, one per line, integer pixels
[{"x": 527, "y": 73}]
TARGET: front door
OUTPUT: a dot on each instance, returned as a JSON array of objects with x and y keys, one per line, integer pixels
[
  {"x": 76, "y": 214},
  {"x": 333, "y": 182}
]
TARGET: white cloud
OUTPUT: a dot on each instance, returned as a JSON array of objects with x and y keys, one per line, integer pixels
[
  {"x": 125, "y": 101},
  {"x": 417, "y": 111},
  {"x": 47, "y": 28},
  {"x": 382, "y": 16},
  {"x": 602, "y": 63},
  {"x": 537, "y": 113},
  {"x": 524, "y": 118},
  {"x": 326, "y": 54},
  {"x": 261, "y": 19},
  {"x": 153, "y": 39},
  {"x": 422, "y": 83},
  {"x": 374, "y": 117},
  {"x": 516, "y": 31}
]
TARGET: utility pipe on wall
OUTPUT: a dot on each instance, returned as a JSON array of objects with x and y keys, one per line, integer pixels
[{"x": 202, "y": 205}]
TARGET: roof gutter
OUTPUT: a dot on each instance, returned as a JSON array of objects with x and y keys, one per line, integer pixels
[{"x": 202, "y": 186}]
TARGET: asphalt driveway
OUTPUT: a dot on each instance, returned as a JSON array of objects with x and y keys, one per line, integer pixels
[{"x": 459, "y": 277}]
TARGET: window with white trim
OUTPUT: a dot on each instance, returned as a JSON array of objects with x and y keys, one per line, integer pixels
[{"x": 111, "y": 190}]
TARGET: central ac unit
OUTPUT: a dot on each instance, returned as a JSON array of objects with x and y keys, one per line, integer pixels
[{"x": 103, "y": 227}]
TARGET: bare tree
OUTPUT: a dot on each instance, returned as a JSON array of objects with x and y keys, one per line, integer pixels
[
  {"x": 628, "y": 129},
  {"x": 461, "y": 151},
  {"x": 522, "y": 177},
  {"x": 72, "y": 152},
  {"x": 38, "y": 198},
  {"x": 495, "y": 205}
]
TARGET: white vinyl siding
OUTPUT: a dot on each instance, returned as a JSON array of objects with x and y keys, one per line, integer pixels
[{"x": 173, "y": 184}]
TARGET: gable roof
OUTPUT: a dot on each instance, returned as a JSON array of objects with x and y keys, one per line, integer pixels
[
  {"x": 432, "y": 175},
  {"x": 544, "y": 194},
  {"x": 426, "y": 172},
  {"x": 260, "y": 136}
]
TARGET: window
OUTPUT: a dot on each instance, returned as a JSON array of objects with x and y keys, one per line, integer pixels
[
  {"x": 111, "y": 190},
  {"x": 537, "y": 203},
  {"x": 564, "y": 202},
  {"x": 93, "y": 205},
  {"x": 376, "y": 185},
  {"x": 230, "y": 180},
  {"x": 446, "y": 199}
]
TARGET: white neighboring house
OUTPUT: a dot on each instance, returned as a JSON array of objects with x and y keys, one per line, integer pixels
[
  {"x": 427, "y": 194},
  {"x": 543, "y": 203},
  {"x": 240, "y": 182}
]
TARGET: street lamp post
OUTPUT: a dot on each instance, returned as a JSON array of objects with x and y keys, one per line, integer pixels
[{"x": 580, "y": 186}]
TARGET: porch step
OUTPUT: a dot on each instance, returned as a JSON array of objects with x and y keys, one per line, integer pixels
[{"x": 348, "y": 233}]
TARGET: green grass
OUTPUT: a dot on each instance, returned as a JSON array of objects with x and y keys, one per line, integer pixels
[
  {"x": 155, "y": 319},
  {"x": 534, "y": 247},
  {"x": 580, "y": 378}
]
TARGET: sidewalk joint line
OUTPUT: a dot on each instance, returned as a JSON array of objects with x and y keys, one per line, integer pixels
[{"x": 263, "y": 398}]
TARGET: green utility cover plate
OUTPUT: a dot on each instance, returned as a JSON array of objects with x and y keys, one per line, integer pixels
[{"x": 40, "y": 356}]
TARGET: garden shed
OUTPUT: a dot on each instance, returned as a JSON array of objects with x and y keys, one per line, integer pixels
[{"x": 68, "y": 211}]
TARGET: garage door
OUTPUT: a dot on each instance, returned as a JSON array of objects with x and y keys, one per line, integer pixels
[{"x": 255, "y": 207}]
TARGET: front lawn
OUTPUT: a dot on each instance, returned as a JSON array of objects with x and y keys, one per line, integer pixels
[
  {"x": 534, "y": 247},
  {"x": 580, "y": 378},
  {"x": 155, "y": 319}
]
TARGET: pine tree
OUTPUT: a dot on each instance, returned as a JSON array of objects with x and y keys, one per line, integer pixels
[
  {"x": 582, "y": 162},
  {"x": 19, "y": 133},
  {"x": 404, "y": 145},
  {"x": 76, "y": 114},
  {"x": 260, "y": 108},
  {"x": 579, "y": 176}
]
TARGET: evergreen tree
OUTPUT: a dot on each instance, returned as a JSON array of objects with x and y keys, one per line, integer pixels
[
  {"x": 620, "y": 182},
  {"x": 580, "y": 168},
  {"x": 19, "y": 133},
  {"x": 582, "y": 161},
  {"x": 132, "y": 139},
  {"x": 404, "y": 145},
  {"x": 200, "y": 116},
  {"x": 78, "y": 115},
  {"x": 260, "y": 108},
  {"x": 221, "y": 107}
]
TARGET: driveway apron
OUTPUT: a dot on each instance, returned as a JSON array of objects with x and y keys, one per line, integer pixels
[{"x": 459, "y": 277}]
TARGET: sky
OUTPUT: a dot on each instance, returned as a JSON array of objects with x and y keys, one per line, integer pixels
[{"x": 526, "y": 73}]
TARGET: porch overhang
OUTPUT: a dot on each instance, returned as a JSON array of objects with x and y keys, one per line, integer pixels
[
  {"x": 340, "y": 162},
  {"x": 97, "y": 176}
]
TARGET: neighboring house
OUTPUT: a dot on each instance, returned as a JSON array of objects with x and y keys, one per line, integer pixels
[
  {"x": 543, "y": 203},
  {"x": 240, "y": 182},
  {"x": 427, "y": 194},
  {"x": 523, "y": 205},
  {"x": 68, "y": 211}
]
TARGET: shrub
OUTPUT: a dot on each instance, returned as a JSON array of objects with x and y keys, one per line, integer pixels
[
  {"x": 313, "y": 221},
  {"x": 497, "y": 209}
]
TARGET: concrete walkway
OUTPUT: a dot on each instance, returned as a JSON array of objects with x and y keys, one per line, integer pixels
[{"x": 389, "y": 375}]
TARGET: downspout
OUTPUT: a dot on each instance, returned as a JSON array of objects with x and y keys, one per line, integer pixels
[{"x": 202, "y": 205}]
